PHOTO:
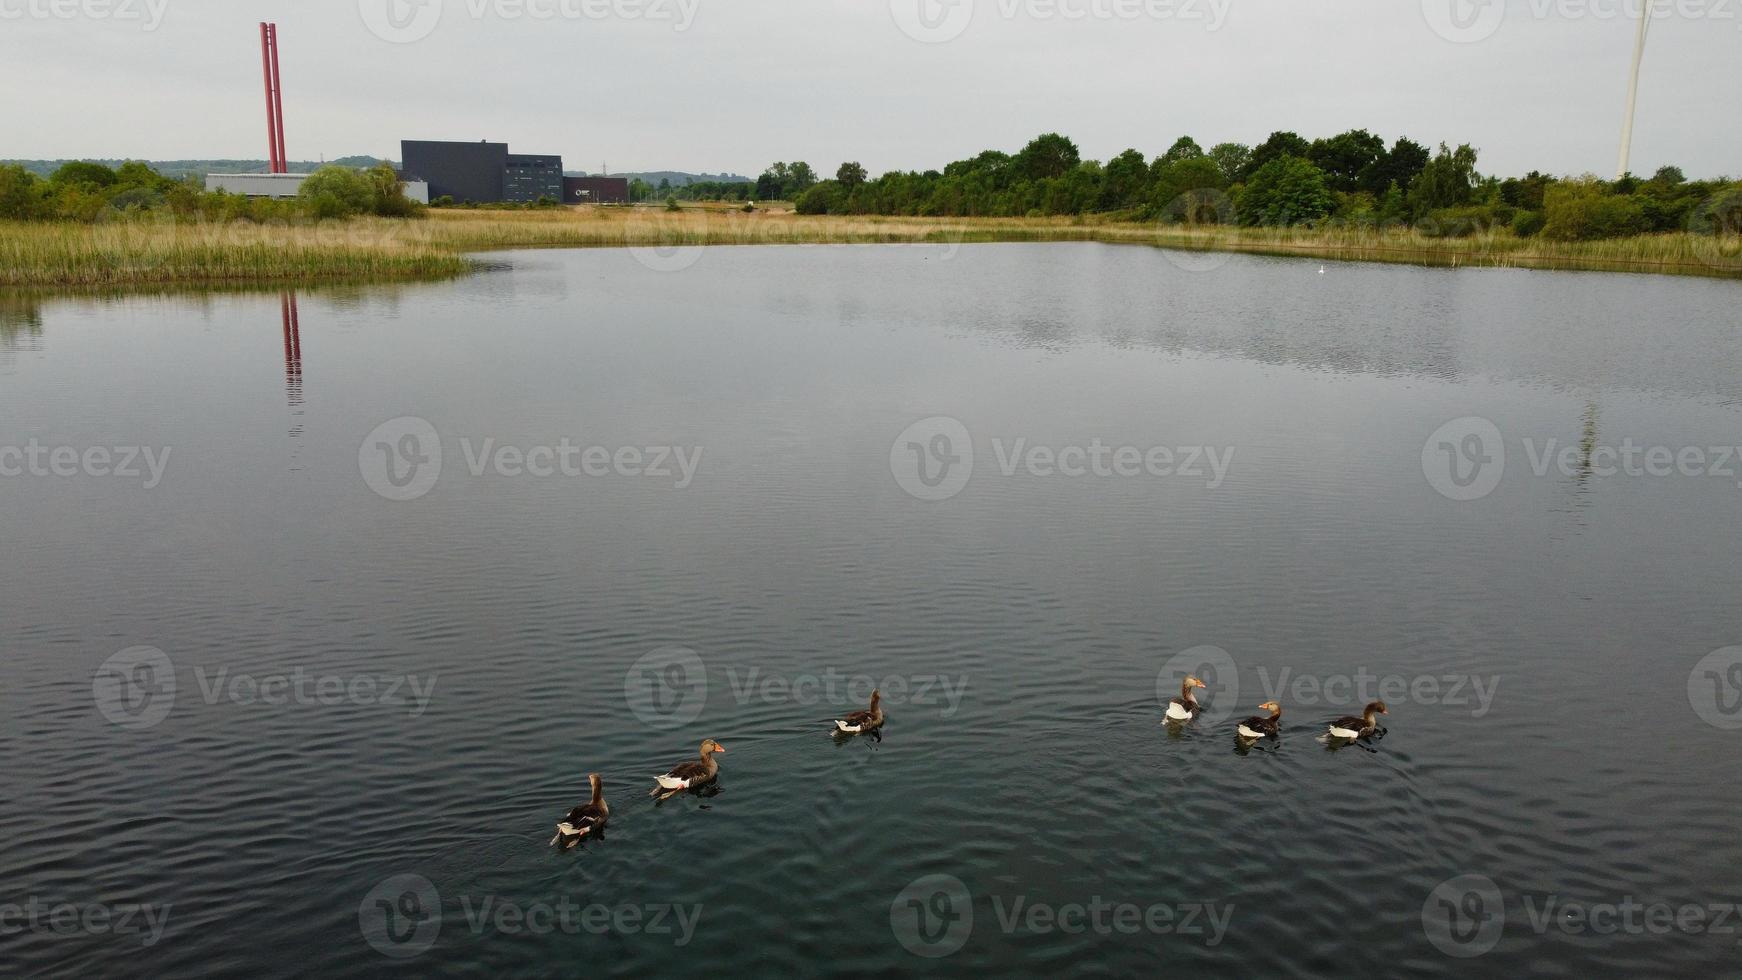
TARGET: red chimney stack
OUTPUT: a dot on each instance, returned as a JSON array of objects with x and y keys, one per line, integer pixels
[{"x": 278, "y": 163}]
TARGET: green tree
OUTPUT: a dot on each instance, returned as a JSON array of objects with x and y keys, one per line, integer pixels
[
  {"x": 1183, "y": 148},
  {"x": 1231, "y": 159},
  {"x": 1286, "y": 191},
  {"x": 1399, "y": 166},
  {"x": 80, "y": 173},
  {"x": 851, "y": 174},
  {"x": 1280, "y": 144},
  {"x": 1668, "y": 175},
  {"x": 1049, "y": 155},
  {"x": 1124, "y": 181},
  {"x": 337, "y": 192},
  {"x": 1448, "y": 180},
  {"x": 20, "y": 194},
  {"x": 1583, "y": 209},
  {"x": 1346, "y": 158}
]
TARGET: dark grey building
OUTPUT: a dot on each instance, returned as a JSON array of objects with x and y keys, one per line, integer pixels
[
  {"x": 530, "y": 177},
  {"x": 595, "y": 190},
  {"x": 484, "y": 173}
]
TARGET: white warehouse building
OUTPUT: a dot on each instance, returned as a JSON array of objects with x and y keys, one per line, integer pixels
[{"x": 287, "y": 185}]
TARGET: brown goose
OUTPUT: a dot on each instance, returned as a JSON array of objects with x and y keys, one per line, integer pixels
[
  {"x": 690, "y": 775},
  {"x": 863, "y": 721},
  {"x": 585, "y": 819},
  {"x": 1261, "y": 727},
  {"x": 1351, "y": 727},
  {"x": 1185, "y": 707}
]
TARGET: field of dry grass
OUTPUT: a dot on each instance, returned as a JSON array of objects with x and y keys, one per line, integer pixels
[{"x": 155, "y": 252}]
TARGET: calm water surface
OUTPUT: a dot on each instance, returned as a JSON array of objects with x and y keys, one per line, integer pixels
[{"x": 1549, "y": 729}]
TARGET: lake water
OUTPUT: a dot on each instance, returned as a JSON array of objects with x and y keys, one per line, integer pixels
[{"x": 290, "y": 695}]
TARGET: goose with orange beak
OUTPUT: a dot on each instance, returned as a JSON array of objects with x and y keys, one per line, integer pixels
[
  {"x": 1350, "y": 728},
  {"x": 1185, "y": 707},
  {"x": 693, "y": 774},
  {"x": 1259, "y": 726}
]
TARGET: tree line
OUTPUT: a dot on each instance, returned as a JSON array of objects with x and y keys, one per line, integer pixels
[
  {"x": 1354, "y": 179},
  {"x": 85, "y": 191}
]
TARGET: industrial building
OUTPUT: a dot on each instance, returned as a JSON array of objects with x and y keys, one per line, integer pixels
[
  {"x": 483, "y": 173},
  {"x": 595, "y": 190},
  {"x": 278, "y": 185}
]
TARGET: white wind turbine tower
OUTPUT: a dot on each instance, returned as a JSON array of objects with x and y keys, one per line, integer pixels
[{"x": 1633, "y": 88}]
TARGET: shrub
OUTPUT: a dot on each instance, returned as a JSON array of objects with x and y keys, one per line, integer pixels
[
  {"x": 1581, "y": 210},
  {"x": 1286, "y": 191},
  {"x": 1527, "y": 223},
  {"x": 338, "y": 192}
]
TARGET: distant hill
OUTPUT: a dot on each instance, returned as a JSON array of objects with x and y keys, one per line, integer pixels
[
  {"x": 678, "y": 178},
  {"x": 199, "y": 168}
]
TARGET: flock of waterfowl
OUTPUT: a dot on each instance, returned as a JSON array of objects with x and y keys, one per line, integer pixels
[
  {"x": 1349, "y": 728},
  {"x": 692, "y": 776},
  {"x": 698, "y": 774}
]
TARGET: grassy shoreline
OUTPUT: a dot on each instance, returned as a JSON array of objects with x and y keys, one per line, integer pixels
[{"x": 148, "y": 252}]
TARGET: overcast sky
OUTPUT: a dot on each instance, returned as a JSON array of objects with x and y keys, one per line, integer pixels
[{"x": 732, "y": 85}]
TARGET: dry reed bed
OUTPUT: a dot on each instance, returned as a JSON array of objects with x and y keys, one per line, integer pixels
[{"x": 159, "y": 252}]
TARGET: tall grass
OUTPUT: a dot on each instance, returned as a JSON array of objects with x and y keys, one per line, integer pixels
[{"x": 154, "y": 252}]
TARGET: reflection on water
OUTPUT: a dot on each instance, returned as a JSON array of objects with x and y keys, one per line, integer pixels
[{"x": 1580, "y": 601}]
